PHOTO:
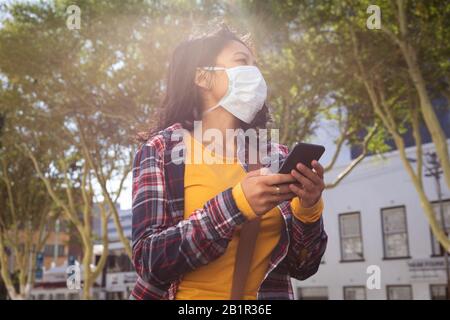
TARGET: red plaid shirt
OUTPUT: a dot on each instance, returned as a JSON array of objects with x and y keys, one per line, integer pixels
[{"x": 166, "y": 246}]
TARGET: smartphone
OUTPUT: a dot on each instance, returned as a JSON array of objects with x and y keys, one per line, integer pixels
[{"x": 304, "y": 153}]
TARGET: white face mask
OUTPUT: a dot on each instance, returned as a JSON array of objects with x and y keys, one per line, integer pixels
[{"x": 247, "y": 91}]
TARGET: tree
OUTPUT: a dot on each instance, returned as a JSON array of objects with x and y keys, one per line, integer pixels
[
  {"x": 306, "y": 88},
  {"x": 89, "y": 91},
  {"x": 432, "y": 22},
  {"x": 381, "y": 78},
  {"x": 26, "y": 212}
]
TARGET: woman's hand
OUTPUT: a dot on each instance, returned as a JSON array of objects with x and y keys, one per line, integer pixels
[
  {"x": 264, "y": 190},
  {"x": 310, "y": 183}
]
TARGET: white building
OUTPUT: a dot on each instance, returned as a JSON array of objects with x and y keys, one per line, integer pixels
[
  {"x": 118, "y": 277},
  {"x": 374, "y": 217},
  {"x": 53, "y": 286}
]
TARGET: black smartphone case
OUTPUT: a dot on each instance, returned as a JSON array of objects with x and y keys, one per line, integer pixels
[{"x": 304, "y": 153}]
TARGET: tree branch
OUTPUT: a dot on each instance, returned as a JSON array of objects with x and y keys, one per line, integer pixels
[{"x": 357, "y": 160}]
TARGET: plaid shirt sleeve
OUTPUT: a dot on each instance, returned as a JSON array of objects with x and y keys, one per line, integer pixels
[
  {"x": 164, "y": 250},
  {"x": 307, "y": 245}
]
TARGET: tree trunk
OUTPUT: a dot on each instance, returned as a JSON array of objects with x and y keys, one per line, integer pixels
[
  {"x": 410, "y": 55},
  {"x": 87, "y": 275},
  {"x": 429, "y": 115}
]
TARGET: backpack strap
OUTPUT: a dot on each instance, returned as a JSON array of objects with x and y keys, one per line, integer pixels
[{"x": 244, "y": 255}]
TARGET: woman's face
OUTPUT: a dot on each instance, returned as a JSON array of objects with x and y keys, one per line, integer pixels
[{"x": 214, "y": 88}]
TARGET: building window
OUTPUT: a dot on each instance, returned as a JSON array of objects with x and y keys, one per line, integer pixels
[
  {"x": 436, "y": 248},
  {"x": 60, "y": 296},
  {"x": 355, "y": 293},
  {"x": 49, "y": 250},
  {"x": 61, "y": 250},
  {"x": 115, "y": 295},
  {"x": 351, "y": 237},
  {"x": 73, "y": 296},
  {"x": 312, "y": 293},
  {"x": 395, "y": 232},
  {"x": 399, "y": 292},
  {"x": 118, "y": 261},
  {"x": 438, "y": 292}
]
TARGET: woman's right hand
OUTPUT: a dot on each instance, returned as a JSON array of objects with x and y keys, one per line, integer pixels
[{"x": 264, "y": 190}]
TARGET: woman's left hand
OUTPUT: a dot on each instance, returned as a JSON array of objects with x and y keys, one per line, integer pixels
[{"x": 311, "y": 183}]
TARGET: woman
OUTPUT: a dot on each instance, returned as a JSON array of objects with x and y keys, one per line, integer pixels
[{"x": 189, "y": 217}]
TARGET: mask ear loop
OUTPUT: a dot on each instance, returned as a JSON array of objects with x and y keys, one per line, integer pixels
[
  {"x": 211, "y": 109},
  {"x": 211, "y": 69}
]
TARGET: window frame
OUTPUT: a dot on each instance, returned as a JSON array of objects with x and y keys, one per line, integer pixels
[
  {"x": 399, "y": 286},
  {"x": 433, "y": 238},
  {"x": 360, "y": 236},
  {"x": 438, "y": 285},
  {"x": 383, "y": 234},
  {"x": 299, "y": 289},
  {"x": 354, "y": 287},
  {"x": 49, "y": 250}
]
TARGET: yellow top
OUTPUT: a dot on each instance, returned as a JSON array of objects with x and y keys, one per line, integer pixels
[{"x": 204, "y": 181}]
